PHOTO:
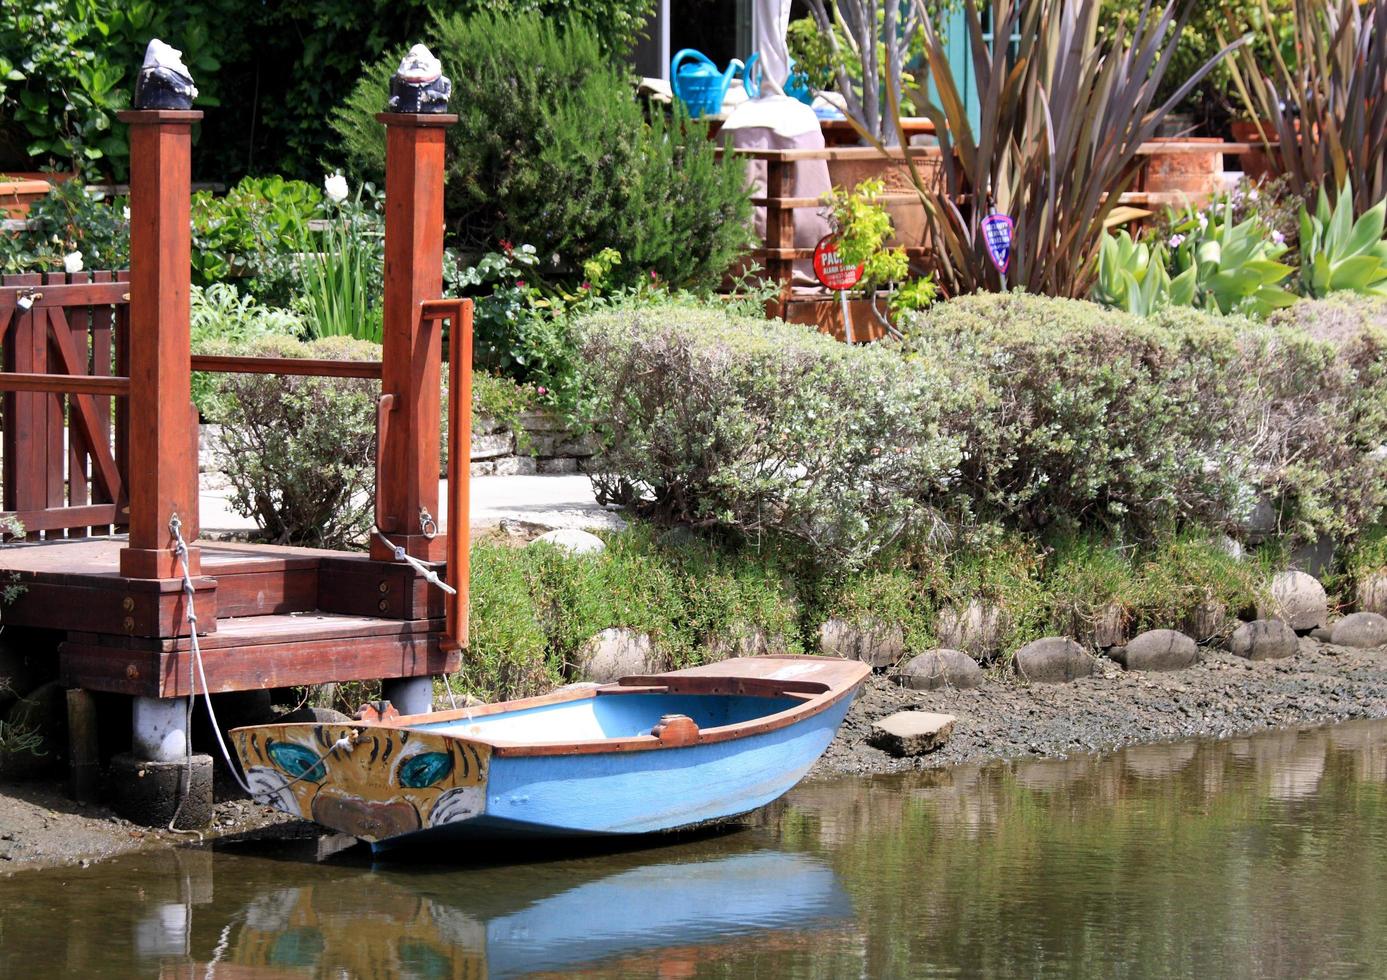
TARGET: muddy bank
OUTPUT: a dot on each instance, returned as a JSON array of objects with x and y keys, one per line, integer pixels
[
  {"x": 40, "y": 826},
  {"x": 1222, "y": 696}
]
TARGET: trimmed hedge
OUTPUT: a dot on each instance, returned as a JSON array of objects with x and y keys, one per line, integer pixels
[
  {"x": 714, "y": 420},
  {"x": 1002, "y": 410}
]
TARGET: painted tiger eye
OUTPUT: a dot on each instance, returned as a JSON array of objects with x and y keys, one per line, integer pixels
[
  {"x": 297, "y": 761},
  {"x": 425, "y": 769}
]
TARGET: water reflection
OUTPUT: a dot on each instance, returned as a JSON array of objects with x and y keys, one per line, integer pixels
[{"x": 1252, "y": 857}]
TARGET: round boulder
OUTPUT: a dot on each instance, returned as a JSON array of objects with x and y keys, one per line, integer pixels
[
  {"x": 614, "y": 653},
  {"x": 1264, "y": 639},
  {"x": 1053, "y": 660},
  {"x": 1363, "y": 630},
  {"x": 1372, "y": 593},
  {"x": 976, "y": 629},
  {"x": 934, "y": 669},
  {"x": 1159, "y": 650},
  {"x": 873, "y": 642},
  {"x": 1298, "y": 600},
  {"x": 573, "y": 541}
]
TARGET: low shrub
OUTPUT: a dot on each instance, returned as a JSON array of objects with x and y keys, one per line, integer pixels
[
  {"x": 1077, "y": 416},
  {"x": 300, "y": 452},
  {"x": 715, "y": 420}
]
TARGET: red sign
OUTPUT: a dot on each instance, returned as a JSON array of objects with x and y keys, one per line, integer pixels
[{"x": 830, "y": 269}]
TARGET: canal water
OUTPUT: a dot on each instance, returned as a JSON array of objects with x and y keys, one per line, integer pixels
[{"x": 1256, "y": 857}]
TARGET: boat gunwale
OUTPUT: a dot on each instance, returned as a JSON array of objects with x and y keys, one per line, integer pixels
[{"x": 814, "y": 704}]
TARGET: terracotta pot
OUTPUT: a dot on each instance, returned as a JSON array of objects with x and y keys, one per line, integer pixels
[
  {"x": 19, "y": 190},
  {"x": 1255, "y": 163},
  {"x": 1197, "y": 174}
]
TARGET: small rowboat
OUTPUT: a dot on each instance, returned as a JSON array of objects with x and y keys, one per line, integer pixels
[{"x": 646, "y": 754}]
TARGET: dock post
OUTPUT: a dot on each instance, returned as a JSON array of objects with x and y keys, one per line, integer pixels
[
  {"x": 159, "y": 779},
  {"x": 163, "y": 422},
  {"x": 409, "y": 695},
  {"x": 412, "y": 355}
]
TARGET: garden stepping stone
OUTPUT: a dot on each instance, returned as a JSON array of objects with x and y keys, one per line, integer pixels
[
  {"x": 614, "y": 653},
  {"x": 1362, "y": 630},
  {"x": 1264, "y": 639},
  {"x": 1053, "y": 660},
  {"x": 1158, "y": 650},
  {"x": 935, "y": 669},
  {"x": 871, "y": 642},
  {"x": 1297, "y": 599},
  {"x": 911, "y": 732}
]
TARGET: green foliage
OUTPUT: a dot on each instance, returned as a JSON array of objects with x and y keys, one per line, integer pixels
[
  {"x": 219, "y": 317},
  {"x": 1338, "y": 253},
  {"x": 67, "y": 67},
  {"x": 862, "y": 226},
  {"x": 501, "y": 399},
  {"x": 70, "y": 219},
  {"x": 533, "y": 608},
  {"x": 300, "y": 452},
  {"x": 759, "y": 426},
  {"x": 1132, "y": 276},
  {"x": 252, "y": 228},
  {"x": 343, "y": 279},
  {"x": 1058, "y": 181},
  {"x": 1322, "y": 102},
  {"x": 561, "y": 157},
  {"x": 1234, "y": 266}
]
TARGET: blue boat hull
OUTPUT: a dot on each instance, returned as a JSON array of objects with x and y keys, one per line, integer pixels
[
  {"x": 646, "y": 755},
  {"x": 618, "y": 793}
]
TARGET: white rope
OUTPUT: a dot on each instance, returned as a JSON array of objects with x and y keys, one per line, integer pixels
[{"x": 429, "y": 574}]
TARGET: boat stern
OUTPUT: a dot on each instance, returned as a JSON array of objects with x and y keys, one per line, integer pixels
[{"x": 373, "y": 782}]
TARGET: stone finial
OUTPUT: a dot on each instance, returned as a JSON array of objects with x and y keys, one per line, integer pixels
[
  {"x": 164, "y": 81},
  {"x": 419, "y": 84}
]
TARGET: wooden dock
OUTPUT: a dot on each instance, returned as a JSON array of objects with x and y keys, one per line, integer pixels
[{"x": 268, "y": 617}]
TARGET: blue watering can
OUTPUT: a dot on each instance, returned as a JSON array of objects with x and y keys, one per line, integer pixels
[
  {"x": 698, "y": 84},
  {"x": 796, "y": 86}
]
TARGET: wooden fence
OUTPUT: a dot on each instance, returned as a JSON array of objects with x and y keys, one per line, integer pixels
[{"x": 64, "y": 449}]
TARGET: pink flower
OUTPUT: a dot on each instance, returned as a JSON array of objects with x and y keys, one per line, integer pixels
[
  {"x": 542, "y": 390},
  {"x": 506, "y": 246},
  {"x": 585, "y": 286},
  {"x": 520, "y": 284}
]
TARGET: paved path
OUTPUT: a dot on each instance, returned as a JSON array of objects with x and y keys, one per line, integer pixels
[{"x": 548, "y": 501}]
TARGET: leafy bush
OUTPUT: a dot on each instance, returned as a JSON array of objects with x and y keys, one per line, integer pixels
[
  {"x": 552, "y": 149},
  {"x": 300, "y": 452},
  {"x": 1234, "y": 265},
  {"x": 70, "y": 219},
  {"x": 1082, "y": 417},
  {"x": 220, "y": 317},
  {"x": 251, "y": 229},
  {"x": 67, "y": 67},
  {"x": 714, "y": 420}
]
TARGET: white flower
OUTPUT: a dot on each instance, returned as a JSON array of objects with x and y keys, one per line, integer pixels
[
  {"x": 1176, "y": 241},
  {"x": 72, "y": 262},
  {"x": 1252, "y": 195},
  {"x": 1277, "y": 238},
  {"x": 335, "y": 187},
  {"x": 126, "y": 213}
]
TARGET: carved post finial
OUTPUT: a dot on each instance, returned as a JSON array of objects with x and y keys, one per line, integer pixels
[
  {"x": 164, "y": 81},
  {"x": 419, "y": 85}
]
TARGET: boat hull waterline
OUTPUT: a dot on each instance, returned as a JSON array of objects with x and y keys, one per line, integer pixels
[{"x": 647, "y": 754}]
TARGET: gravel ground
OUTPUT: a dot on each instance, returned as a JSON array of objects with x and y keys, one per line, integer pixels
[
  {"x": 1222, "y": 696},
  {"x": 1004, "y": 719}
]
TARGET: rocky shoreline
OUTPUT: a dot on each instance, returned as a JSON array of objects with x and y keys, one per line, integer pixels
[{"x": 1221, "y": 696}]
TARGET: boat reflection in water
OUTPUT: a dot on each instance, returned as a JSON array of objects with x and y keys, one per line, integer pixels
[{"x": 505, "y": 922}]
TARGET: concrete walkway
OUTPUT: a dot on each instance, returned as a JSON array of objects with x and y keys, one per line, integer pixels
[{"x": 546, "y": 502}]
